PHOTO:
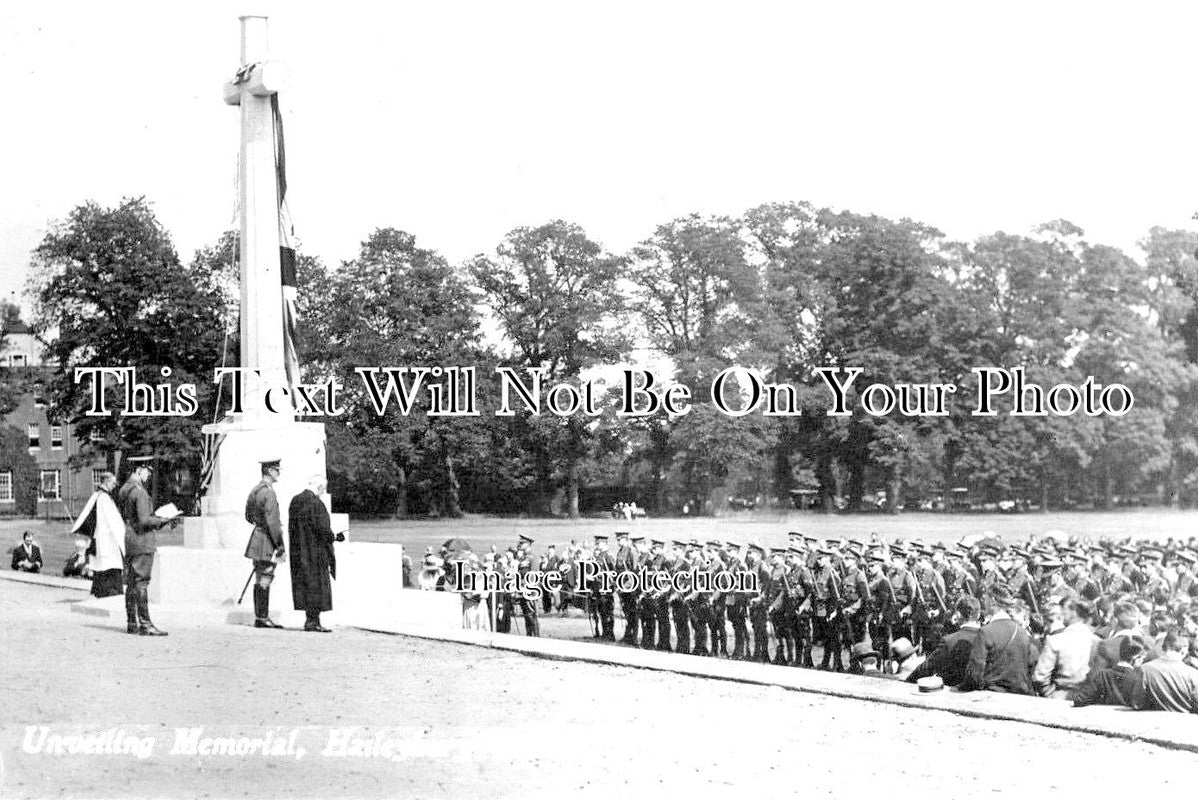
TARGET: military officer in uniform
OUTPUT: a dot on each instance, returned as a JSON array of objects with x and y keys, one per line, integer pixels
[
  {"x": 801, "y": 585},
  {"x": 758, "y": 606},
  {"x": 265, "y": 547},
  {"x": 697, "y": 602},
  {"x": 885, "y": 604},
  {"x": 678, "y": 607},
  {"x": 777, "y": 601},
  {"x": 528, "y": 607},
  {"x": 646, "y": 606},
  {"x": 829, "y": 607},
  {"x": 737, "y": 605},
  {"x": 661, "y": 600},
  {"x": 857, "y": 602},
  {"x": 626, "y": 563},
  {"x": 718, "y": 603},
  {"x": 141, "y": 543},
  {"x": 605, "y": 600}
]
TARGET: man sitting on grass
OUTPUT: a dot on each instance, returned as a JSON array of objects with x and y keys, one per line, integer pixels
[{"x": 27, "y": 556}]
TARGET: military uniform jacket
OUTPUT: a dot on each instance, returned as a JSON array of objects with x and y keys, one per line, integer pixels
[
  {"x": 262, "y": 511},
  {"x": 904, "y": 586},
  {"x": 605, "y": 563},
  {"x": 802, "y": 589},
  {"x": 885, "y": 604},
  {"x": 957, "y": 583},
  {"x": 855, "y": 587},
  {"x": 140, "y": 522},
  {"x": 827, "y": 593},
  {"x": 930, "y": 593},
  {"x": 773, "y": 590}
]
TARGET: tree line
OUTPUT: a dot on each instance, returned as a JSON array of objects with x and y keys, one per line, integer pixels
[{"x": 783, "y": 288}]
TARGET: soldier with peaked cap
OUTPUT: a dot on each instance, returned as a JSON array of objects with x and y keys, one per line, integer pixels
[
  {"x": 758, "y": 607},
  {"x": 857, "y": 601},
  {"x": 777, "y": 602},
  {"x": 885, "y": 606},
  {"x": 904, "y": 587},
  {"x": 829, "y": 605},
  {"x": 737, "y": 604},
  {"x": 1187, "y": 585},
  {"x": 627, "y": 563},
  {"x": 698, "y": 603},
  {"x": 604, "y": 600},
  {"x": 717, "y": 614},
  {"x": 661, "y": 600},
  {"x": 141, "y": 543},
  {"x": 678, "y": 607},
  {"x": 646, "y": 602},
  {"x": 800, "y": 585},
  {"x": 527, "y": 605},
  {"x": 930, "y": 606},
  {"x": 547, "y": 564},
  {"x": 265, "y": 546}
]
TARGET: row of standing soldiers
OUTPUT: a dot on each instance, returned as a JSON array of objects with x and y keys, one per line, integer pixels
[
  {"x": 807, "y": 595},
  {"x": 829, "y": 595}
]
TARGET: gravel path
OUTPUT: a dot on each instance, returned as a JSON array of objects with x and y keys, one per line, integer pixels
[{"x": 454, "y": 721}]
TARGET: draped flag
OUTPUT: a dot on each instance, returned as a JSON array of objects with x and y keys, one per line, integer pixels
[{"x": 286, "y": 252}]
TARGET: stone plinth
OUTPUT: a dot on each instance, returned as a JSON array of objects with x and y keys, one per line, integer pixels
[
  {"x": 300, "y": 446},
  {"x": 368, "y": 575},
  {"x": 368, "y": 591}
]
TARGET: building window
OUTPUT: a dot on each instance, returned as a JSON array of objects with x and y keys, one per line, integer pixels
[
  {"x": 50, "y": 484},
  {"x": 96, "y": 473},
  {"x": 6, "y": 487},
  {"x": 35, "y": 435},
  {"x": 56, "y": 437},
  {"x": 39, "y": 395},
  {"x": 18, "y": 359},
  {"x": 95, "y": 436}
]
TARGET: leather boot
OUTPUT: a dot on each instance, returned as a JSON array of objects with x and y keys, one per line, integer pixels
[
  {"x": 134, "y": 624},
  {"x": 313, "y": 623},
  {"x": 262, "y": 609},
  {"x": 143, "y": 611}
]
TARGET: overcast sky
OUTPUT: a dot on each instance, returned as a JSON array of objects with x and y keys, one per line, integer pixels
[{"x": 460, "y": 121}]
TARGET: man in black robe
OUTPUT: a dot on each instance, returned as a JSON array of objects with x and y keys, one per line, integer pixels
[{"x": 312, "y": 559}]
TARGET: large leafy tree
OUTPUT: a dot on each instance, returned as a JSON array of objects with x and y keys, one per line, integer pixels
[
  {"x": 699, "y": 299},
  {"x": 110, "y": 291},
  {"x": 556, "y": 297},
  {"x": 396, "y": 304},
  {"x": 1171, "y": 280}
]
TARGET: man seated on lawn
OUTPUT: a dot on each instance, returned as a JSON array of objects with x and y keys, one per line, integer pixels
[{"x": 27, "y": 556}]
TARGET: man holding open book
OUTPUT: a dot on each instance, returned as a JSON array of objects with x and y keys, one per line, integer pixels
[{"x": 141, "y": 542}]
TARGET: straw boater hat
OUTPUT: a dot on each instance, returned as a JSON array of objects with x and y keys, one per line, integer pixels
[{"x": 930, "y": 684}]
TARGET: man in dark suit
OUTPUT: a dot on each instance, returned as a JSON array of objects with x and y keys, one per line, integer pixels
[
  {"x": 1002, "y": 656},
  {"x": 27, "y": 556},
  {"x": 141, "y": 543},
  {"x": 312, "y": 558},
  {"x": 266, "y": 541},
  {"x": 1113, "y": 686},
  {"x": 950, "y": 660},
  {"x": 1166, "y": 683}
]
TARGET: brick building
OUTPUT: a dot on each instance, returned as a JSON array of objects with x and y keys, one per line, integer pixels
[{"x": 62, "y": 489}]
